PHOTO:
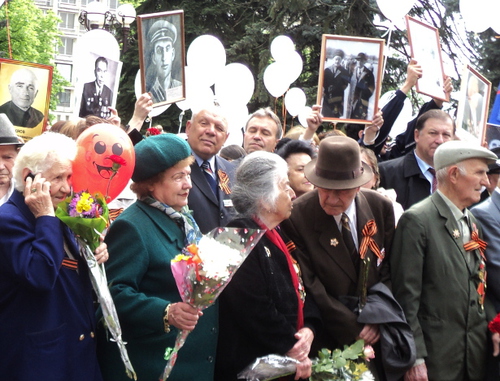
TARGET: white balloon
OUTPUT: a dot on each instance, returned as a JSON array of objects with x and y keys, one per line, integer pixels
[
  {"x": 158, "y": 110},
  {"x": 100, "y": 42},
  {"x": 197, "y": 92},
  {"x": 303, "y": 114},
  {"x": 206, "y": 56},
  {"x": 138, "y": 84},
  {"x": 236, "y": 120},
  {"x": 473, "y": 12},
  {"x": 281, "y": 46},
  {"x": 294, "y": 65},
  {"x": 491, "y": 15},
  {"x": 202, "y": 98},
  {"x": 295, "y": 101},
  {"x": 275, "y": 79},
  {"x": 394, "y": 10},
  {"x": 235, "y": 85}
]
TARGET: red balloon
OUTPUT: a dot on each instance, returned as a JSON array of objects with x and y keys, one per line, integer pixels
[{"x": 105, "y": 161}]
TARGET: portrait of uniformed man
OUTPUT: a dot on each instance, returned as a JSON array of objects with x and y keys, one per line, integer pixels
[
  {"x": 23, "y": 89},
  {"x": 96, "y": 96},
  {"x": 161, "y": 72}
]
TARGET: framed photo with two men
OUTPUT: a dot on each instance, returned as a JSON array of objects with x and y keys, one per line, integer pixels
[
  {"x": 161, "y": 56},
  {"x": 350, "y": 78}
]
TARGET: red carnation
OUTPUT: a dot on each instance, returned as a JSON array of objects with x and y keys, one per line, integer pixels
[
  {"x": 118, "y": 160},
  {"x": 494, "y": 325},
  {"x": 153, "y": 131}
]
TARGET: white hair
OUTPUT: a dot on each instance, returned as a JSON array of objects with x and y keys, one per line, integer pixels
[
  {"x": 257, "y": 182},
  {"x": 41, "y": 153}
]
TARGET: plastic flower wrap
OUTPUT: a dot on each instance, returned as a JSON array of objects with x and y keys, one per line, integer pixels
[
  {"x": 87, "y": 216},
  {"x": 268, "y": 368},
  {"x": 346, "y": 365},
  {"x": 202, "y": 271}
]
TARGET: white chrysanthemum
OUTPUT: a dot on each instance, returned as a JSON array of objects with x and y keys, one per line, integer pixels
[
  {"x": 217, "y": 258},
  {"x": 367, "y": 376}
]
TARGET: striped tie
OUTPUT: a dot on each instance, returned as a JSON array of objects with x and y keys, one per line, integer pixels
[{"x": 207, "y": 171}]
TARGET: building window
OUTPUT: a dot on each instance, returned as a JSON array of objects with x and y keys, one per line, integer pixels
[
  {"x": 64, "y": 98},
  {"x": 113, "y": 4},
  {"x": 67, "y": 2},
  {"x": 66, "y": 70},
  {"x": 67, "y": 46},
  {"x": 67, "y": 20}
]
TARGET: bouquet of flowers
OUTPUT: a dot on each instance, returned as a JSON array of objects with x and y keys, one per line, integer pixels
[
  {"x": 343, "y": 364},
  {"x": 87, "y": 216},
  {"x": 202, "y": 271},
  {"x": 346, "y": 365}
]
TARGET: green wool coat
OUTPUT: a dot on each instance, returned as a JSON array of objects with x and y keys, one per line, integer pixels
[
  {"x": 436, "y": 285},
  {"x": 141, "y": 243}
]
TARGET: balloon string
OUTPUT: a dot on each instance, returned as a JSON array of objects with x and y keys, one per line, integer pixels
[
  {"x": 8, "y": 27},
  {"x": 386, "y": 53},
  {"x": 283, "y": 113}
]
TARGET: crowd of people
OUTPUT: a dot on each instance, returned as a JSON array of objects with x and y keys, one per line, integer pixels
[{"x": 360, "y": 242}]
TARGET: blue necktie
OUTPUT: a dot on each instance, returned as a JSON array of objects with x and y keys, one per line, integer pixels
[{"x": 207, "y": 171}]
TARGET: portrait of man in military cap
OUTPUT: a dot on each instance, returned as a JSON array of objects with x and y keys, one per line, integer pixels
[{"x": 162, "y": 61}]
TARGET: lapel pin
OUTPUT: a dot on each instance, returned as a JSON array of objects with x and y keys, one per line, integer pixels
[
  {"x": 456, "y": 233},
  {"x": 268, "y": 252},
  {"x": 334, "y": 242}
]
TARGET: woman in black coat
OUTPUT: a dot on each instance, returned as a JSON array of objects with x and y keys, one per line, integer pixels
[{"x": 264, "y": 309}]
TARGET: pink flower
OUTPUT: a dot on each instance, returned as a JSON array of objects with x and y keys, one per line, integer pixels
[{"x": 368, "y": 352}]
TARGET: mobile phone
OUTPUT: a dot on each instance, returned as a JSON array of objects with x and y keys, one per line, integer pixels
[{"x": 31, "y": 176}]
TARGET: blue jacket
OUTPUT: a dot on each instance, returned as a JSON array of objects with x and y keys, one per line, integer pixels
[{"x": 47, "y": 321}]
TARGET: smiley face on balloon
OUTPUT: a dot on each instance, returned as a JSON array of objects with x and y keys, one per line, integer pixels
[{"x": 105, "y": 161}]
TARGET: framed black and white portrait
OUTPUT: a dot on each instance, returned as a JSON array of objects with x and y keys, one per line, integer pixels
[
  {"x": 25, "y": 95},
  {"x": 161, "y": 55},
  {"x": 350, "y": 78},
  {"x": 425, "y": 47},
  {"x": 96, "y": 88},
  {"x": 473, "y": 103}
]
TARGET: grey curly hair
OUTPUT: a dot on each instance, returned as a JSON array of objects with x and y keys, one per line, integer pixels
[{"x": 257, "y": 182}]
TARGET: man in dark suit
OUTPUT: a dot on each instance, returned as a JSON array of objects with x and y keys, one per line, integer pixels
[
  {"x": 23, "y": 89},
  {"x": 211, "y": 175},
  {"x": 96, "y": 96},
  {"x": 363, "y": 82},
  {"x": 438, "y": 269},
  {"x": 331, "y": 227},
  {"x": 336, "y": 79},
  {"x": 412, "y": 176}
]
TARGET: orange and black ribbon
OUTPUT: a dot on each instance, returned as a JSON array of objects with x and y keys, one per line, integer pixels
[
  {"x": 224, "y": 181},
  {"x": 368, "y": 232},
  {"x": 477, "y": 243},
  {"x": 71, "y": 264}
]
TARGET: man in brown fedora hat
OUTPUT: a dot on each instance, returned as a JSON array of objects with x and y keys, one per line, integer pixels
[
  {"x": 9, "y": 146},
  {"x": 340, "y": 229}
]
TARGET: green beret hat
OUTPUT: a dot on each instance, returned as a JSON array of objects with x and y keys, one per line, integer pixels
[
  {"x": 455, "y": 151},
  {"x": 162, "y": 30},
  {"x": 157, "y": 154}
]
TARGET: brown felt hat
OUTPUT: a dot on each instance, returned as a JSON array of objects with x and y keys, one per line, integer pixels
[{"x": 338, "y": 165}]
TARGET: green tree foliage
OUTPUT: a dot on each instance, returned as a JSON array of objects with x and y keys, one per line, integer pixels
[{"x": 34, "y": 38}]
